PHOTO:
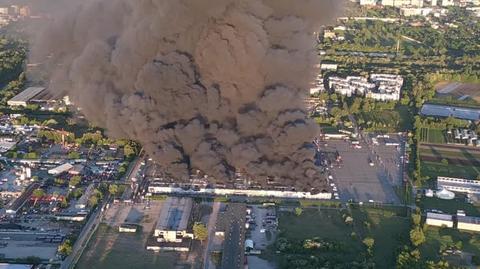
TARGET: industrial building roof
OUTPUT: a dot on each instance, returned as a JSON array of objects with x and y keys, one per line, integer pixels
[
  {"x": 175, "y": 214},
  {"x": 439, "y": 216},
  {"x": 466, "y": 219},
  {"x": 60, "y": 169},
  {"x": 15, "y": 266},
  {"x": 450, "y": 111},
  {"x": 27, "y": 94}
]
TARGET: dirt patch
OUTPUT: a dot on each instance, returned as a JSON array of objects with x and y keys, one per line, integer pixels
[{"x": 458, "y": 90}]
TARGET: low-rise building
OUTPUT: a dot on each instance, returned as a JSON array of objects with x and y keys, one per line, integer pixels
[
  {"x": 60, "y": 169},
  {"x": 468, "y": 223},
  {"x": 413, "y": 11},
  {"x": 368, "y": 2},
  {"x": 127, "y": 228},
  {"x": 402, "y": 3},
  {"x": 459, "y": 185},
  {"x": 24, "y": 98},
  {"x": 440, "y": 220},
  {"x": 464, "y": 113},
  {"x": 173, "y": 220},
  {"x": 173, "y": 231}
]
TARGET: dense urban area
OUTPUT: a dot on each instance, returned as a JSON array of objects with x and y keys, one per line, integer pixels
[{"x": 397, "y": 99}]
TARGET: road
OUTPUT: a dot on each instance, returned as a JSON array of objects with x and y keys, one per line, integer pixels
[
  {"x": 233, "y": 247},
  {"x": 207, "y": 263}
]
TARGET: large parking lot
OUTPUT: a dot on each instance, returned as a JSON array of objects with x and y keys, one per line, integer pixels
[{"x": 365, "y": 172}]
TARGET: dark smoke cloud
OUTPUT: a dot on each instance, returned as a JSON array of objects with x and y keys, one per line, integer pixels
[{"x": 214, "y": 85}]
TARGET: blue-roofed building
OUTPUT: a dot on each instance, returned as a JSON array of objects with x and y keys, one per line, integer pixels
[{"x": 463, "y": 113}]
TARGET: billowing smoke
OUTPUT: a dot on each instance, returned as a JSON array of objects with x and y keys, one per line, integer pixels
[{"x": 214, "y": 85}]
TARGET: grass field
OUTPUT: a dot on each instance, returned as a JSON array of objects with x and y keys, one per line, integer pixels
[
  {"x": 385, "y": 226},
  {"x": 109, "y": 249},
  {"x": 432, "y": 170},
  {"x": 434, "y": 136},
  {"x": 449, "y": 206},
  {"x": 329, "y": 129}
]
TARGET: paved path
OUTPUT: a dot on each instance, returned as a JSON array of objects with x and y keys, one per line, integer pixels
[{"x": 207, "y": 262}]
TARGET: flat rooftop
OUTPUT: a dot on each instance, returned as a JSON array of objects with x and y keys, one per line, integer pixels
[
  {"x": 467, "y": 219},
  {"x": 439, "y": 216},
  {"x": 175, "y": 214},
  {"x": 27, "y": 94},
  {"x": 15, "y": 266},
  {"x": 446, "y": 182}
]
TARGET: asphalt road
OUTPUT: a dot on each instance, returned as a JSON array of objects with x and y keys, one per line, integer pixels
[{"x": 233, "y": 250}]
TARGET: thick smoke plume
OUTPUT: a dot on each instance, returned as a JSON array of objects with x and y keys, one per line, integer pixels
[{"x": 214, "y": 85}]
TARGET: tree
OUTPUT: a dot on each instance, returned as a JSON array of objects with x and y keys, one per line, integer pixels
[
  {"x": 93, "y": 201},
  {"x": 417, "y": 237},
  {"x": 116, "y": 190},
  {"x": 31, "y": 155},
  {"x": 200, "y": 231},
  {"x": 369, "y": 243},
  {"x": 59, "y": 181},
  {"x": 65, "y": 248},
  {"x": 73, "y": 155},
  {"x": 298, "y": 211},
  {"x": 409, "y": 259},
  {"x": 113, "y": 189},
  {"x": 37, "y": 194},
  {"x": 75, "y": 181},
  {"x": 128, "y": 151},
  {"x": 416, "y": 218}
]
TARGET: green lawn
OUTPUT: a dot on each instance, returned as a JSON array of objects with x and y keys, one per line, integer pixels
[
  {"x": 432, "y": 170},
  {"x": 384, "y": 120},
  {"x": 109, "y": 249},
  {"x": 329, "y": 129},
  {"x": 385, "y": 226},
  {"x": 449, "y": 206}
]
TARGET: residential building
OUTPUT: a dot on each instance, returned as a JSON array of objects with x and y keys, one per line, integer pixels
[
  {"x": 328, "y": 67},
  {"x": 440, "y": 220},
  {"x": 468, "y": 223},
  {"x": 368, "y": 2},
  {"x": 458, "y": 185},
  {"x": 446, "y": 3},
  {"x": 413, "y": 11},
  {"x": 402, "y": 3},
  {"x": 383, "y": 87}
]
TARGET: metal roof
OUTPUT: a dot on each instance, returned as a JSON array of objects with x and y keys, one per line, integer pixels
[{"x": 27, "y": 94}]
